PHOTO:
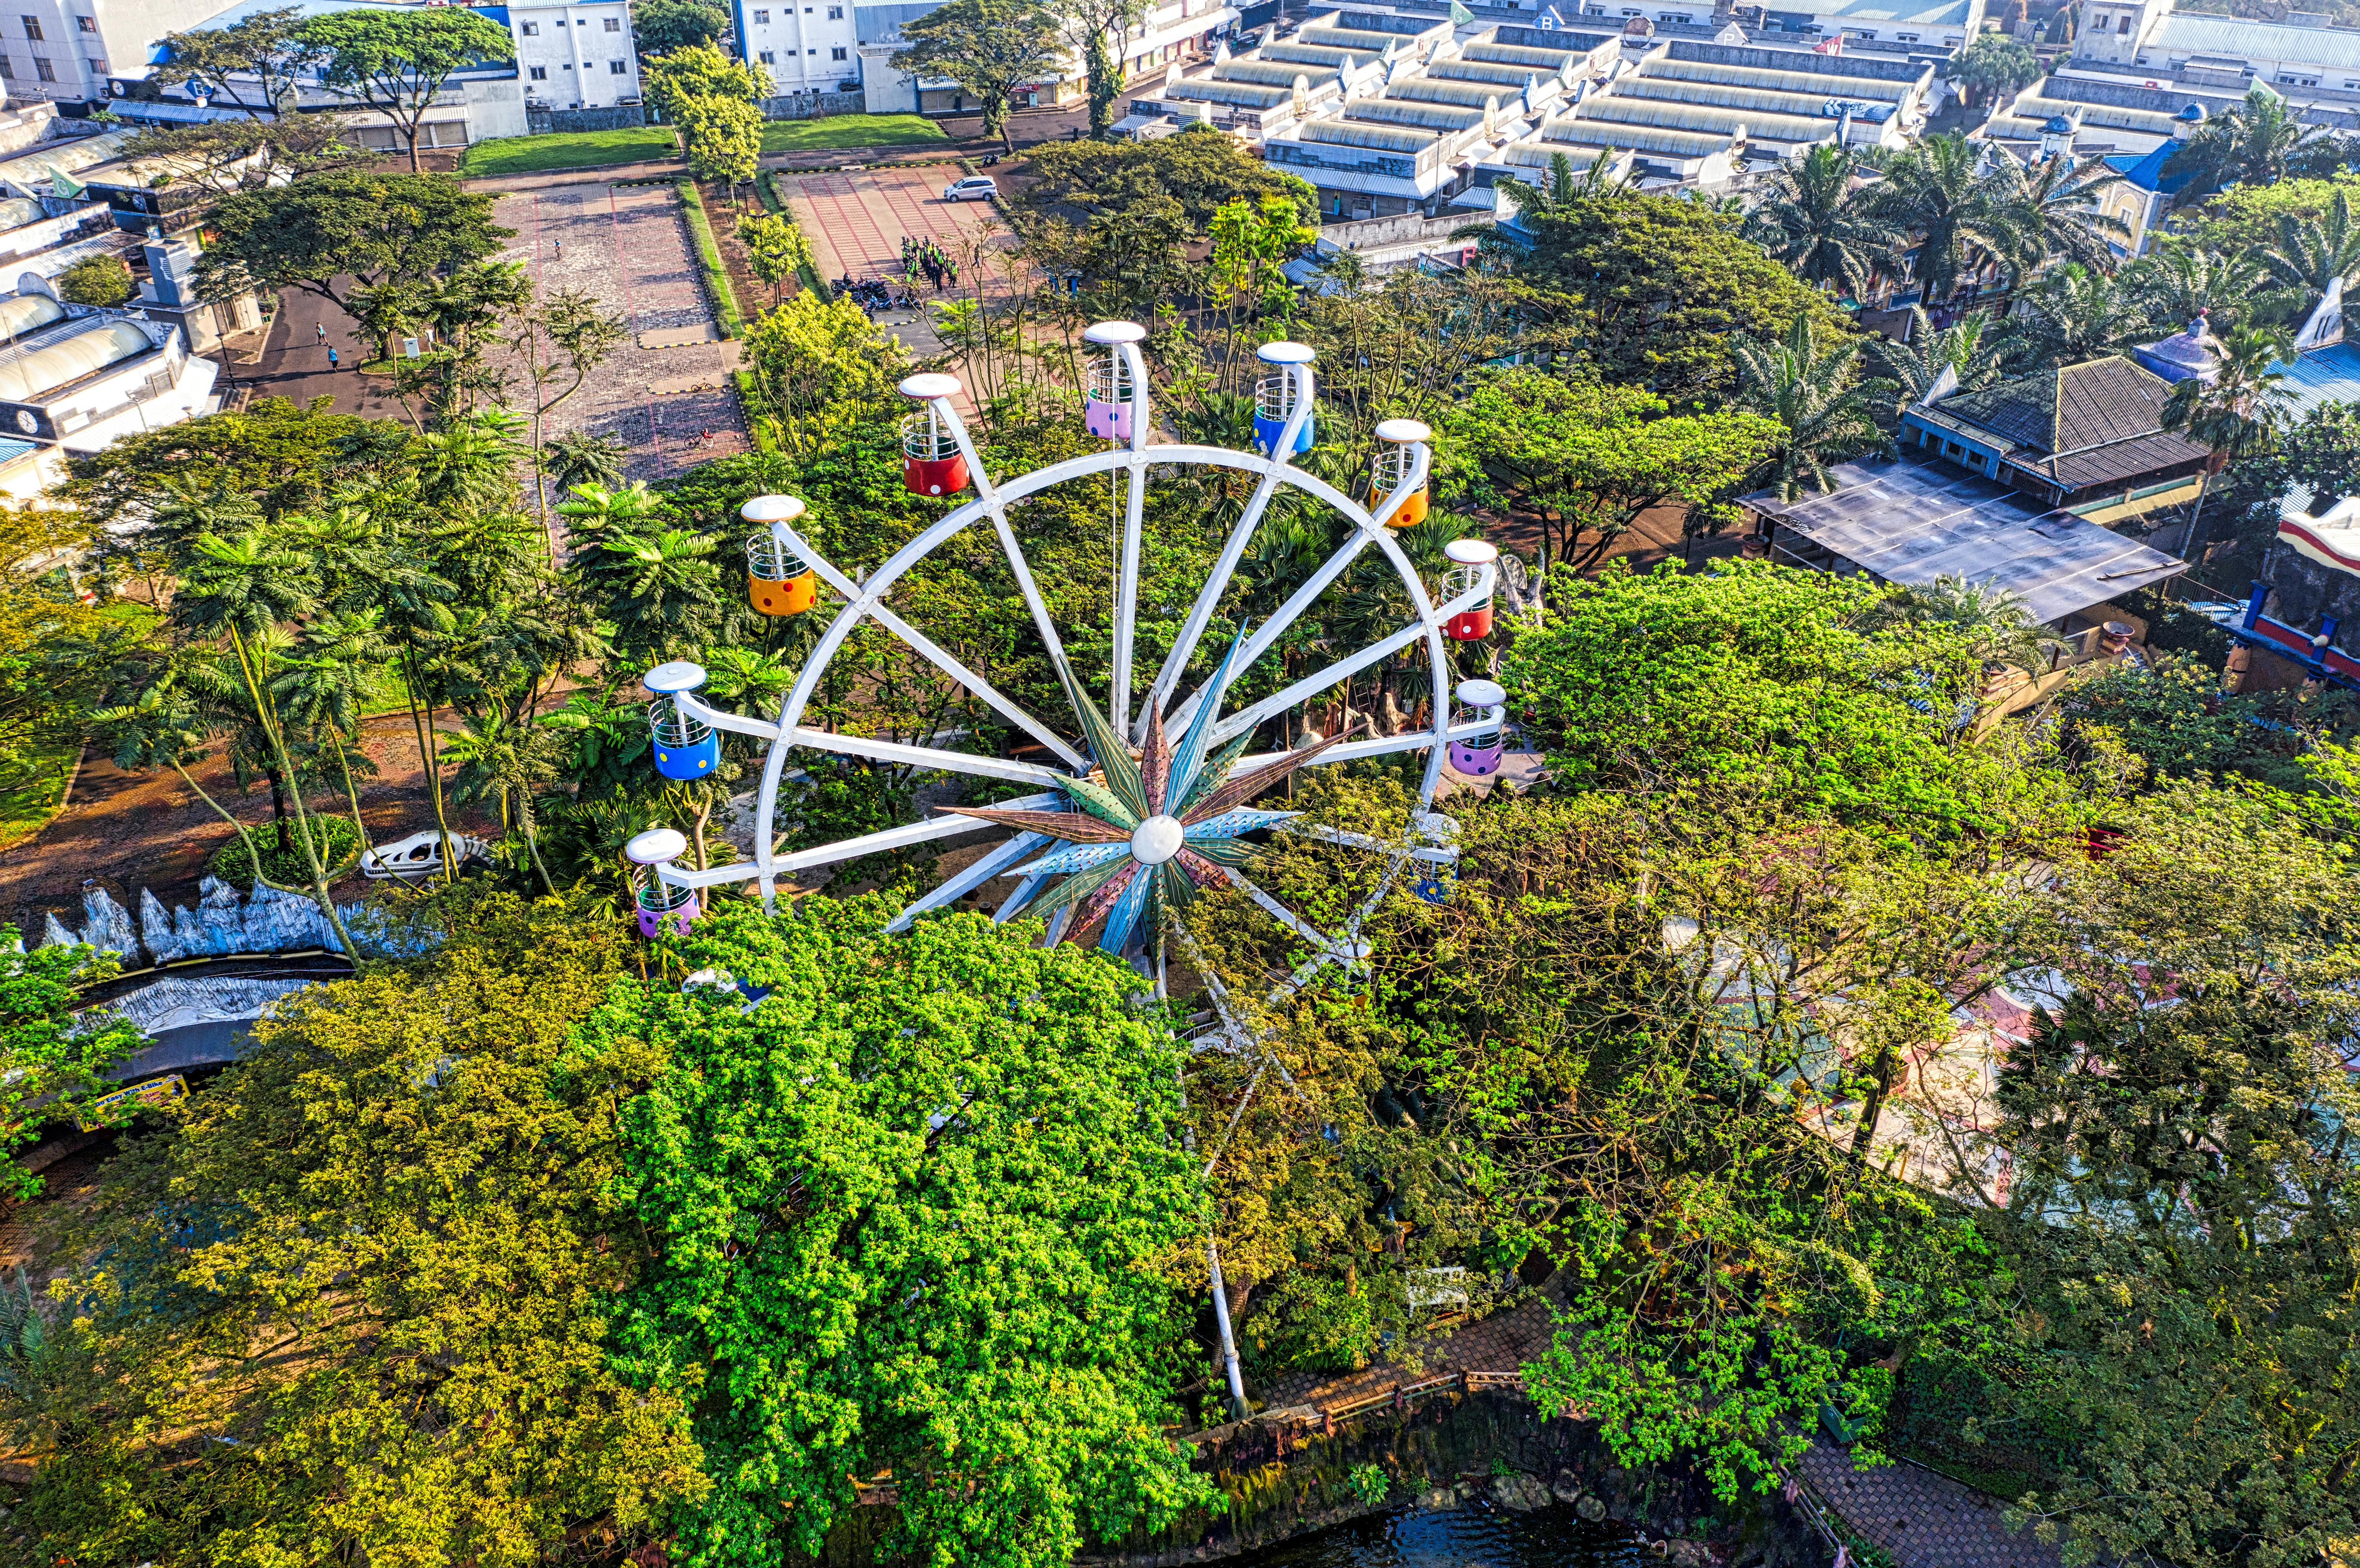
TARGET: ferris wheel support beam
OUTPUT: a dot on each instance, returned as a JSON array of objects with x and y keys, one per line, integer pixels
[
  {"x": 877, "y": 843},
  {"x": 1127, "y": 590},
  {"x": 1408, "y": 740},
  {"x": 925, "y": 647},
  {"x": 1231, "y": 550},
  {"x": 974, "y": 877},
  {"x": 925, "y": 756}
]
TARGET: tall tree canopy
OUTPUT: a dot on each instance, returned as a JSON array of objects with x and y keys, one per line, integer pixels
[
  {"x": 395, "y": 61},
  {"x": 333, "y": 233},
  {"x": 913, "y": 1206}
]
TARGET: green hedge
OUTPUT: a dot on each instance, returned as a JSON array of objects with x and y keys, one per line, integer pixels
[
  {"x": 341, "y": 850},
  {"x": 708, "y": 254}
]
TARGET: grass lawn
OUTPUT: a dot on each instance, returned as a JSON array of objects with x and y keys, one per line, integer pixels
[
  {"x": 848, "y": 130},
  {"x": 576, "y": 149}
]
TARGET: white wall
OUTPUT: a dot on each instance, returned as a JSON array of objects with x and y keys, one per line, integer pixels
[
  {"x": 809, "y": 48},
  {"x": 575, "y": 49}
]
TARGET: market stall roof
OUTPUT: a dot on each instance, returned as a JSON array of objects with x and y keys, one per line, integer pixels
[{"x": 1912, "y": 522}]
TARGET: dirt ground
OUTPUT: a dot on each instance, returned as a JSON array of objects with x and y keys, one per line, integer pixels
[{"x": 131, "y": 831}]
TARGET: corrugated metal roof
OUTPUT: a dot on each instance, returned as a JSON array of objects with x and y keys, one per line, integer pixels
[
  {"x": 1810, "y": 82},
  {"x": 2069, "y": 409},
  {"x": 2325, "y": 374},
  {"x": 1307, "y": 54},
  {"x": 1759, "y": 99},
  {"x": 2239, "y": 38},
  {"x": 1465, "y": 94},
  {"x": 1427, "y": 116},
  {"x": 24, "y": 378},
  {"x": 1911, "y": 523},
  {"x": 1511, "y": 77},
  {"x": 1352, "y": 39},
  {"x": 1513, "y": 54},
  {"x": 1639, "y": 138},
  {"x": 1706, "y": 117},
  {"x": 1245, "y": 95},
  {"x": 1264, "y": 73},
  {"x": 1363, "y": 134}
]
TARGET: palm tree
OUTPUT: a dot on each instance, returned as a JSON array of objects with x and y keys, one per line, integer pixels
[
  {"x": 578, "y": 457},
  {"x": 1917, "y": 362},
  {"x": 1812, "y": 220},
  {"x": 2253, "y": 144},
  {"x": 1995, "y": 622},
  {"x": 1817, "y": 395},
  {"x": 505, "y": 760},
  {"x": 320, "y": 687},
  {"x": 242, "y": 589},
  {"x": 1936, "y": 190},
  {"x": 2073, "y": 315},
  {"x": 2182, "y": 282},
  {"x": 2235, "y": 414},
  {"x": 2052, "y": 209},
  {"x": 2309, "y": 254}
]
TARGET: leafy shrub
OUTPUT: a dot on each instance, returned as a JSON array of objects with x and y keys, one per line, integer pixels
[
  {"x": 96, "y": 280},
  {"x": 340, "y": 847}
]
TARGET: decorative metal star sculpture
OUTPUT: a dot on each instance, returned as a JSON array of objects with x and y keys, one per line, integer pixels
[{"x": 1159, "y": 826}]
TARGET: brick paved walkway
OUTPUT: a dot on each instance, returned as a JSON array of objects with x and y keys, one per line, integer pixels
[
  {"x": 627, "y": 246},
  {"x": 1925, "y": 1521}
]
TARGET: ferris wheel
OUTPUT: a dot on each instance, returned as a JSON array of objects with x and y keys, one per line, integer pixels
[{"x": 1143, "y": 795}]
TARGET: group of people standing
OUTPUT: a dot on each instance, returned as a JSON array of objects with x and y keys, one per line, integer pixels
[{"x": 926, "y": 257}]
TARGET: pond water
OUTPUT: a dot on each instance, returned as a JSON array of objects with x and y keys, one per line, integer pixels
[{"x": 1477, "y": 1536}]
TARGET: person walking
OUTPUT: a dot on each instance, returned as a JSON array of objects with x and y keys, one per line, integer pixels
[
  {"x": 561, "y": 250},
  {"x": 332, "y": 359},
  {"x": 322, "y": 328}
]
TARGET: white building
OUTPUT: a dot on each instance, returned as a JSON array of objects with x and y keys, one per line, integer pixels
[
  {"x": 572, "y": 55},
  {"x": 1935, "y": 26},
  {"x": 66, "y": 50},
  {"x": 805, "y": 47},
  {"x": 1174, "y": 31},
  {"x": 73, "y": 377},
  {"x": 2150, "y": 37}
]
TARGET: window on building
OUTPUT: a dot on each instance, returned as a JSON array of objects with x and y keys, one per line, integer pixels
[
  {"x": 531, "y": 30},
  {"x": 836, "y": 54},
  {"x": 618, "y": 67},
  {"x": 7, "y": 69},
  {"x": 1906, "y": 38},
  {"x": 811, "y": 51},
  {"x": 86, "y": 24},
  {"x": 33, "y": 27},
  {"x": 2123, "y": 28},
  {"x": 769, "y": 56},
  {"x": 42, "y": 68},
  {"x": 98, "y": 66},
  {"x": 569, "y": 65},
  {"x": 761, "y": 18},
  {"x": 540, "y": 74},
  {"x": 614, "y": 23},
  {"x": 835, "y": 13}
]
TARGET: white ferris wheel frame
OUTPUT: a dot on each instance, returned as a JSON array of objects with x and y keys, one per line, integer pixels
[{"x": 1429, "y": 837}]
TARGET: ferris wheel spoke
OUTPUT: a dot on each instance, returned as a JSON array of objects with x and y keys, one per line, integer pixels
[
  {"x": 1285, "y": 615},
  {"x": 933, "y": 758},
  {"x": 1126, "y": 608},
  {"x": 991, "y": 697},
  {"x": 1208, "y": 598},
  {"x": 1319, "y": 681},
  {"x": 974, "y": 877}
]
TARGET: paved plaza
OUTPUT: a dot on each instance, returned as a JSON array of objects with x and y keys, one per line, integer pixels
[{"x": 628, "y": 247}]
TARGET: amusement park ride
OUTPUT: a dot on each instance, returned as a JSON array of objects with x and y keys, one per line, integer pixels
[{"x": 1146, "y": 801}]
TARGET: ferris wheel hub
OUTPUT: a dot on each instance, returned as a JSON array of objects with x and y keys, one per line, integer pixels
[{"x": 1156, "y": 840}]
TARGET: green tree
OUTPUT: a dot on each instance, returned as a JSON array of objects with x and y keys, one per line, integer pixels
[
  {"x": 95, "y": 280},
  {"x": 723, "y": 136},
  {"x": 2259, "y": 142},
  {"x": 2181, "y": 1226},
  {"x": 1587, "y": 460},
  {"x": 507, "y": 761},
  {"x": 1818, "y": 399},
  {"x": 282, "y": 456},
  {"x": 1098, "y": 31},
  {"x": 702, "y": 71},
  {"x": 359, "y": 1292},
  {"x": 1813, "y": 221},
  {"x": 2321, "y": 450},
  {"x": 1202, "y": 169},
  {"x": 662, "y": 27},
  {"x": 1652, "y": 289},
  {"x": 775, "y": 249},
  {"x": 2310, "y": 254},
  {"x": 2238, "y": 412},
  {"x": 1996, "y": 65},
  {"x": 229, "y": 155},
  {"x": 1919, "y": 359},
  {"x": 49, "y": 1066},
  {"x": 266, "y": 53},
  {"x": 989, "y": 48},
  {"x": 333, "y": 235},
  {"x": 1936, "y": 189},
  {"x": 821, "y": 366},
  {"x": 1753, "y": 674},
  {"x": 850, "y": 1176},
  {"x": 2073, "y": 315},
  {"x": 2183, "y": 281},
  {"x": 396, "y": 62},
  {"x": 2055, "y": 210}
]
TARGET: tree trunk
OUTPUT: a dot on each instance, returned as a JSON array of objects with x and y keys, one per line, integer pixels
[
  {"x": 277, "y": 806},
  {"x": 1864, "y": 1137}
]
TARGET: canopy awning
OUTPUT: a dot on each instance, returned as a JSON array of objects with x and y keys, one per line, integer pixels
[{"x": 1912, "y": 522}]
